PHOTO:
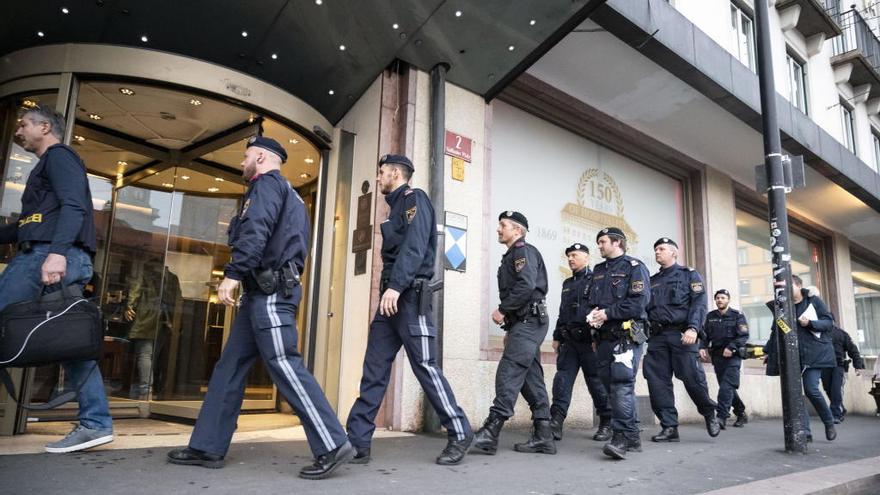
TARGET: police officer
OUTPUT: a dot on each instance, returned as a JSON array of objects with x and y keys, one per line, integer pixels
[
  {"x": 55, "y": 234},
  {"x": 618, "y": 297},
  {"x": 724, "y": 333},
  {"x": 574, "y": 349},
  {"x": 676, "y": 312},
  {"x": 522, "y": 285},
  {"x": 269, "y": 238},
  {"x": 405, "y": 317},
  {"x": 834, "y": 379}
]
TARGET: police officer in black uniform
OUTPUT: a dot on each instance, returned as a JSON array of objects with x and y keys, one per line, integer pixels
[
  {"x": 573, "y": 344},
  {"x": 522, "y": 285},
  {"x": 725, "y": 332},
  {"x": 618, "y": 297},
  {"x": 677, "y": 309},
  {"x": 405, "y": 317},
  {"x": 269, "y": 238}
]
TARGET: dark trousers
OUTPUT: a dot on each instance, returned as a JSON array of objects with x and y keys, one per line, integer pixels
[
  {"x": 618, "y": 365},
  {"x": 418, "y": 336},
  {"x": 520, "y": 371},
  {"x": 666, "y": 357},
  {"x": 575, "y": 356},
  {"x": 811, "y": 379},
  {"x": 833, "y": 381},
  {"x": 727, "y": 371},
  {"x": 265, "y": 326}
]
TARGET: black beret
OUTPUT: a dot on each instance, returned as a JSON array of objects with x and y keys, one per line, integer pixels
[
  {"x": 721, "y": 291},
  {"x": 397, "y": 160},
  {"x": 577, "y": 247},
  {"x": 268, "y": 144},
  {"x": 514, "y": 216},
  {"x": 665, "y": 240},
  {"x": 611, "y": 232}
]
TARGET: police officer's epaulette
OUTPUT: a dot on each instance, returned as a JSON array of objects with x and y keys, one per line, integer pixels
[
  {"x": 408, "y": 192},
  {"x": 634, "y": 262},
  {"x": 690, "y": 269},
  {"x": 519, "y": 244}
]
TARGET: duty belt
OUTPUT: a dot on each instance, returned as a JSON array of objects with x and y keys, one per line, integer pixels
[{"x": 657, "y": 328}]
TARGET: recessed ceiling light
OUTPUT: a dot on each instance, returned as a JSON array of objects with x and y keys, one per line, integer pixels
[
  {"x": 331, "y": 92},
  {"x": 41, "y": 34},
  {"x": 195, "y": 102},
  {"x": 184, "y": 177},
  {"x": 122, "y": 163},
  {"x": 309, "y": 160},
  {"x": 251, "y": 119},
  {"x": 274, "y": 56},
  {"x": 510, "y": 48},
  {"x": 244, "y": 34},
  {"x": 78, "y": 138},
  {"x": 126, "y": 91},
  {"x": 213, "y": 189},
  {"x": 65, "y": 10},
  {"x": 144, "y": 38},
  {"x": 318, "y": 2},
  {"x": 95, "y": 116},
  {"x": 167, "y": 184},
  {"x": 218, "y": 179},
  {"x": 29, "y": 104},
  {"x": 293, "y": 141},
  {"x": 457, "y": 13},
  {"x": 304, "y": 175},
  {"x": 532, "y": 22},
  {"x": 341, "y": 48},
  {"x": 395, "y": 25}
]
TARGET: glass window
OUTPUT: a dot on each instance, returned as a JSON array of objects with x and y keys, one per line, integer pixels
[
  {"x": 876, "y": 140},
  {"x": 742, "y": 36},
  {"x": 866, "y": 287},
  {"x": 797, "y": 75},
  {"x": 756, "y": 287},
  {"x": 848, "y": 125}
]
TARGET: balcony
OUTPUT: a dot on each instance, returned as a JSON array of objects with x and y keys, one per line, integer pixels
[
  {"x": 814, "y": 19},
  {"x": 857, "y": 56}
]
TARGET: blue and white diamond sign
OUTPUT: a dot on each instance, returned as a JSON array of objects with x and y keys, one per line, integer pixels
[{"x": 456, "y": 241}]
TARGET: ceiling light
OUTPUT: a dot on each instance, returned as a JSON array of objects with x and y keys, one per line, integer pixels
[
  {"x": 167, "y": 184},
  {"x": 457, "y": 13},
  {"x": 40, "y": 34},
  {"x": 122, "y": 163},
  {"x": 341, "y": 48},
  {"x": 318, "y": 2},
  {"x": 218, "y": 179},
  {"x": 194, "y": 102},
  {"x": 251, "y": 119},
  {"x": 532, "y": 22},
  {"x": 309, "y": 160},
  {"x": 64, "y": 10},
  {"x": 126, "y": 91},
  {"x": 78, "y": 138},
  {"x": 95, "y": 116},
  {"x": 213, "y": 189},
  {"x": 184, "y": 177},
  {"x": 510, "y": 48},
  {"x": 395, "y": 25},
  {"x": 274, "y": 56},
  {"x": 293, "y": 141},
  {"x": 244, "y": 34},
  {"x": 29, "y": 104},
  {"x": 144, "y": 38},
  {"x": 331, "y": 92},
  {"x": 304, "y": 175}
]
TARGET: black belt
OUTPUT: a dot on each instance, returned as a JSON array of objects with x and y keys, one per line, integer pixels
[
  {"x": 249, "y": 284},
  {"x": 668, "y": 327}
]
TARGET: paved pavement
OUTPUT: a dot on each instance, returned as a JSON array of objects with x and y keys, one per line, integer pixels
[{"x": 405, "y": 464}]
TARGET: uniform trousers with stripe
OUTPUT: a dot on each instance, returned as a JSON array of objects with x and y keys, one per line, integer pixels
[
  {"x": 264, "y": 327},
  {"x": 418, "y": 336}
]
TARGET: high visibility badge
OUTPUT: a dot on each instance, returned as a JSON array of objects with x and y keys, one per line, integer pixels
[
  {"x": 637, "y": 286},
  {"x": 410, "y": 214},
  {"x": 519, "y": 264}
]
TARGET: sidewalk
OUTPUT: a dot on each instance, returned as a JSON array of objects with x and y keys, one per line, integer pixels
[{"x": 405, "y": 464}]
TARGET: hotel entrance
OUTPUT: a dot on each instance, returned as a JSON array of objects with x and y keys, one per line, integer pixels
[{"x": 164, "y": 173}]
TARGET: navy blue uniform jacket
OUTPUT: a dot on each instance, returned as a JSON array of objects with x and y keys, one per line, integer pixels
[
  {"x": 573, "y": 308},
  {"x": 620, "y": 286},
  {"x": 409, "y": 238},
  {"x": 678, "y": 297}
]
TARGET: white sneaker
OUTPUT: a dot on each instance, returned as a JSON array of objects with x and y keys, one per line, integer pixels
[{"x": 80, "y": 438}]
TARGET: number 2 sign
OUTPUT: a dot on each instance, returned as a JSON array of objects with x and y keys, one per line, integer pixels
[{"x": 458, "y": 145}]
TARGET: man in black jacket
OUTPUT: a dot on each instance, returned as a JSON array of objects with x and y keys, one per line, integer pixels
[{"x": 834, "y": 379}]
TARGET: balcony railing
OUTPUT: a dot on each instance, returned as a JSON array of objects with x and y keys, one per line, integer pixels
[{"x": 857, "y": 35}]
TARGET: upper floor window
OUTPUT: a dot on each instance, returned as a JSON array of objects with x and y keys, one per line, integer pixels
[
  {"x": 797, "y": 75},
  {"x": 848, "y": 125},
  {"x": 742, "y": 36}
]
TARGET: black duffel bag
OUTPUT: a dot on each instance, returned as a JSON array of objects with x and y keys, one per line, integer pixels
[{"x": 58, "y": 327}]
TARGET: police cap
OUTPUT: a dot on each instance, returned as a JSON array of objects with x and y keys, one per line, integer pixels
[
  {"x": 665, "y": 240},
  {"x": 397, "y": 160},
  {"x": 577, "y": 247},
  {"x": 721, "y": 291},
  {"x": 514, "y": 216},
  {"x": 268, "y": 144},
  {"x": 612, "y": 232}
]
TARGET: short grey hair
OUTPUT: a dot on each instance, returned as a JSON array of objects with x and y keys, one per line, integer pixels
[{"x": 40, "y": 114}]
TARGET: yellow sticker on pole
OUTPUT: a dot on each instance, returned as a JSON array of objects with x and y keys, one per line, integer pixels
[{"x": 783, "y": 325}]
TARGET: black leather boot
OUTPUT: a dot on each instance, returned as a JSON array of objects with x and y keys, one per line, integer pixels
[
  {"x": 541, "y": 441},
  {"x": 722, "y": 423},
  {"x": 603, "y": 434},
  {"x": 616, "y": 448},
  {"x": 325, "y": 464},
  {"x": 361, "y": 456},
  {"x": 741, "y": 420},
  {"x": 669, "y": 434},
  {"x": 455, "y": 450},
  {"x": 486, "y": 438},
  {"x": 193, "y": 457},
  {"x": 556, "y": 421},
  {"x": 634, "y": 443},
  {"x": 713, "y": 426},
  {"x": 830, "y": 432}
]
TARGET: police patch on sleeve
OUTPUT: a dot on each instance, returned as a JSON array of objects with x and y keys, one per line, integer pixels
[
  {"x": 244, "y": 208},
  {"x": 410, "y": 214},
  {"x": 519, "y": 264},
  {"x": 637, "y": 286},
  {"x": 697, "y": 286},
  {"x": 743, "y": 328}
]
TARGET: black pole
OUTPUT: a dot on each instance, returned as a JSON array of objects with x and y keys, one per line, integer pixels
[{"x": 786, "y": 335}]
